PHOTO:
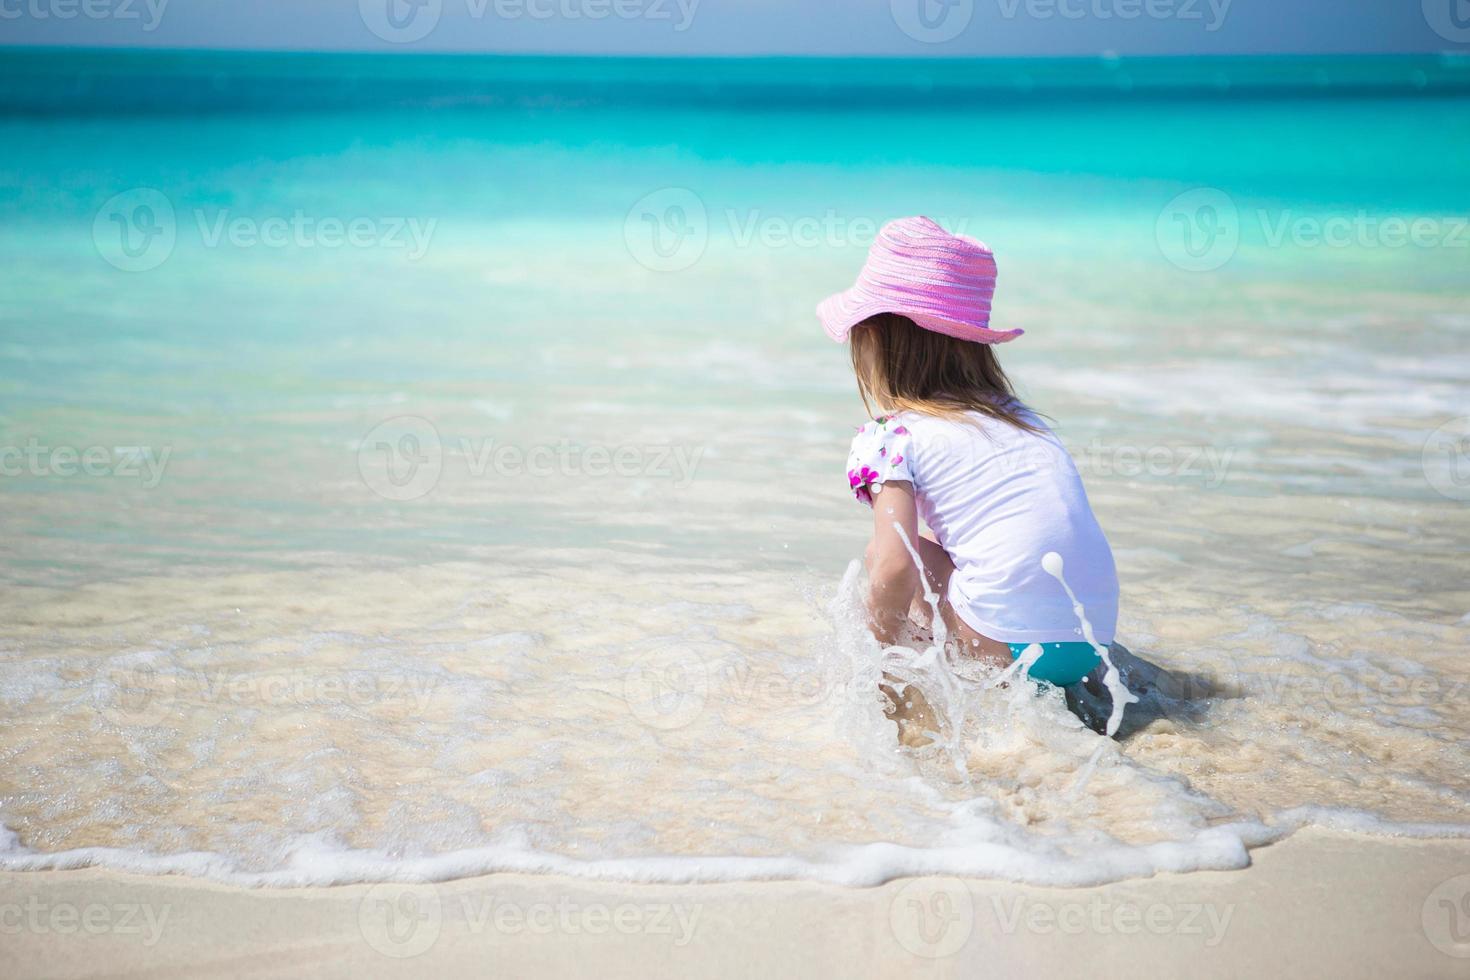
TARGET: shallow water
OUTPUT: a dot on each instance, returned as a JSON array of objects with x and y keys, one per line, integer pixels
[{"x": 527, "y": 548}]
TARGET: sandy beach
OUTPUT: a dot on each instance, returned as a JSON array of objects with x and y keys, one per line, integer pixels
[
  {"x": 1318, "y": 904},
  {"x": 433, "y": 469}
]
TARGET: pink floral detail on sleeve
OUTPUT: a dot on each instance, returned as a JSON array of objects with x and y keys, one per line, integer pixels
[
  {"x": 880, "y": 452},
  {"x": 861, "y": 481}
]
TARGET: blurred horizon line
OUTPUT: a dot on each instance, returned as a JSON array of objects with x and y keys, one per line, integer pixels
[
  {"x": 1449, "y": 56},
  {"x": 59, "y": 80}
]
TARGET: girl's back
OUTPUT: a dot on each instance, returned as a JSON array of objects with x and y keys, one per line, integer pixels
[{"x": 998, "y": 498}]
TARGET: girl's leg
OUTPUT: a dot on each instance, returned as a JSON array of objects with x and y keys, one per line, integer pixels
[
  {"x": 973, "y": 644},
  {"x": 938, "y": 568}
]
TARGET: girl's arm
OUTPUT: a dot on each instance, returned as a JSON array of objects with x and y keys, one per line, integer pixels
[{"x": 892, "y": 576}]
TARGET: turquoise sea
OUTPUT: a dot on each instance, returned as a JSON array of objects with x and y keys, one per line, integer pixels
[{"x": 420, "y": 465}]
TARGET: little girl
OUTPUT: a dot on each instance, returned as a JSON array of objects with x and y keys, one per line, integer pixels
[{"x": 958, "y": 450}]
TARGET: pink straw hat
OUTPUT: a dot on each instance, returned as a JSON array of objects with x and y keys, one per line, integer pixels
[{"x": 942, "y": 282}]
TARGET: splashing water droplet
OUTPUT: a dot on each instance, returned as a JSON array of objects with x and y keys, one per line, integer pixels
[{"x": 1112, "y": 680}]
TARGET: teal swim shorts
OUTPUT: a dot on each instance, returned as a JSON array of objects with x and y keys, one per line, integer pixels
[{"x": 1060, "y": 663}]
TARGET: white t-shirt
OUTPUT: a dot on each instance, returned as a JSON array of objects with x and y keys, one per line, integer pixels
[{"x": 998, "y": 498}]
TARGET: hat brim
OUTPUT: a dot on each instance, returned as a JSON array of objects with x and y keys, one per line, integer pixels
[{"x": 842, "y": 311}]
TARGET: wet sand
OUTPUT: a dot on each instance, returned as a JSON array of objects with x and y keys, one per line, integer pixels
[{"x": 1318, "y": 904}]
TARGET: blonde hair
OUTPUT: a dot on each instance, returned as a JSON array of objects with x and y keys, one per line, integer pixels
[{"x": 901, "y": 366}]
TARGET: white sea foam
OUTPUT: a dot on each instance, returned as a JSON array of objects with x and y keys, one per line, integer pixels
[
  {"x": 474, "y": 749},
  {"x": 310, "y": 862},
  {"x": 985, "y": 850}
]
